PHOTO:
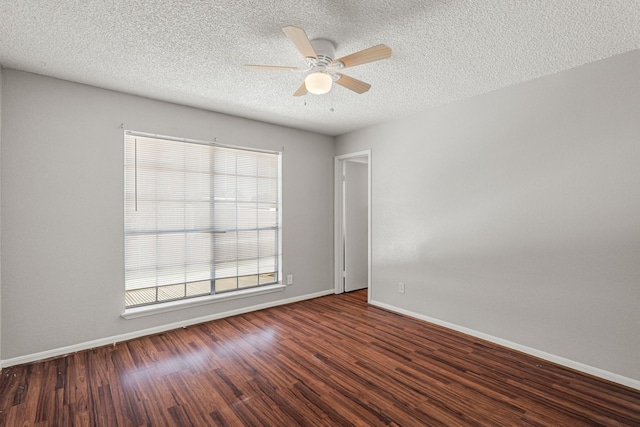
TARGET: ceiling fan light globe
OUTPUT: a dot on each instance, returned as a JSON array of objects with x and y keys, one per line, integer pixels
[{"x": 318, "y": 83}]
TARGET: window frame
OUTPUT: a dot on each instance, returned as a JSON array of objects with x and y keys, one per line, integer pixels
[{"x": 131, "y": 311}]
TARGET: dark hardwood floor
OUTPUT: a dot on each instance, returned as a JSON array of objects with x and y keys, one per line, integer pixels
[{"x": 331, "y": 361}]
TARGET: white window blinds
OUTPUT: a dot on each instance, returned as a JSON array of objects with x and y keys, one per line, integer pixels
[{"x": 199, "y": 219}]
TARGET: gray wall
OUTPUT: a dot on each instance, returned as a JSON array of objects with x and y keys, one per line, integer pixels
[
  {"x": 517, "y": 213},
  {"x": 62, "y": 198},
  {"x": 0, "y": 214}
]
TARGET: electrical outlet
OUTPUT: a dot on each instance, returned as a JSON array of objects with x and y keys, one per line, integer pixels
[
  {"x": 290, "y": 279},
  {"x": 401, "y": 287}
]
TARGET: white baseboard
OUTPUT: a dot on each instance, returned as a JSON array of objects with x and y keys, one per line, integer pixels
[
  {"x": 62, "y": 351},
  {"x": 597, "y": 372}
]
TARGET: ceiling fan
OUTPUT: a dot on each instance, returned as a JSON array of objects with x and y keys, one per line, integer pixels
[{"x": 322, "y": 68}]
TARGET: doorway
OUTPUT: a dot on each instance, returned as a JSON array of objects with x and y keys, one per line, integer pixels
[{"x": 353, "y": 222}]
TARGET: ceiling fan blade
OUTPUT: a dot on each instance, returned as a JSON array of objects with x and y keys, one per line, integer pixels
[
  {"x": 374, "y": 53},
  {"x": 350, "y": 83},
  {"x": 270, "y": 68},
  {"x": 302, "y": 90},
  {"x": 300, "y": 39}
]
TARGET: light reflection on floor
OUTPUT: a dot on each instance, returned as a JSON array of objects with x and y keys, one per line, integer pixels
[{"x": 206, "y": 358}]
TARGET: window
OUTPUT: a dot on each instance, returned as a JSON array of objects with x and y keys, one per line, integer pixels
[{"x": 200, "y": 219}]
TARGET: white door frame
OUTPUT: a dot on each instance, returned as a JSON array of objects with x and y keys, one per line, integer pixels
[{"x": 339, "y": 225}]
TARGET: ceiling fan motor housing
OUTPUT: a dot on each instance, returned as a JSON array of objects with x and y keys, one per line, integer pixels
[{"x": 325, "y": 51}]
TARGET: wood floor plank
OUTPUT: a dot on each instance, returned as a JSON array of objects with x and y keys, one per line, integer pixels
[{"x": 330, "y": 361}]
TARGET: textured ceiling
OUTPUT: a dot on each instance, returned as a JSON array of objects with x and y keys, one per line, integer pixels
[{"x": 192, "y": 52}]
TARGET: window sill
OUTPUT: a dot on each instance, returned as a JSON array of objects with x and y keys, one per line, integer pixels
[{"x": 149, "y": 310}]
